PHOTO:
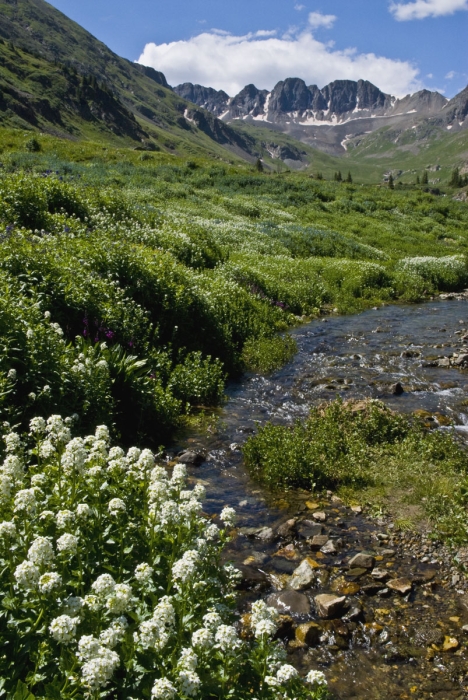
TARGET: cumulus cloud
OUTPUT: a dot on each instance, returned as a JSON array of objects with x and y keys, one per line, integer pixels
[
  {"x": 420, "y": 9},
  {"x": 450, "y": 75},
  {"x": 316, "y": 20},
  {"x": 227, "y": 62}
]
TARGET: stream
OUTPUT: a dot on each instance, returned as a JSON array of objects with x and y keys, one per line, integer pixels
[{"x": 395, "y": 640}]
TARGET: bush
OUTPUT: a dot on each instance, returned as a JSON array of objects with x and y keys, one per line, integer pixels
[
  {"x": 268, "y": 354},
  {"x": 112, "y": 583}
]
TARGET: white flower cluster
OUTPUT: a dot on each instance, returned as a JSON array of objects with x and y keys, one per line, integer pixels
[
  {"x": 316, "y": 678},
  {"x": 41, "y": 552},
  {"x": 228, "y": 516},
  {"x": 144, "y": 574},
  {"x": 226, "y": 639},
  {"x": 68, "y": 544},
  {"x": 189, "y": 681},
  {"x": 264, "y": 620},
  {"x": 163, "y": 690},
  {"x": 155, "y": 632},
  {"x": 184, "y": 569},
  {"x": 100, "y": 662},
  {"x": 63, "y": 629}
]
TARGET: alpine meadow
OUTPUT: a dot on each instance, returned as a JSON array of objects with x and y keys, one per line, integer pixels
[{"x": 155, "y": 260}]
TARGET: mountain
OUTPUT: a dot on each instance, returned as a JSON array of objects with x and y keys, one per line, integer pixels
[
  {"x": 56, "y": 77},
  {"x": 331, "y": 117}
]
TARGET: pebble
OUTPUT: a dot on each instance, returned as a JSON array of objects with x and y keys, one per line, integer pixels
[
  {"x": 319, "y": 516},
  {"x": 329, "y": 606},
  {"x": 362, "y": 561},
  {"x": 401, "y": 585}
]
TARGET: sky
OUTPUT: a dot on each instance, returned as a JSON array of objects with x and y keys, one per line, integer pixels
[{"x": 399, "y": 45}]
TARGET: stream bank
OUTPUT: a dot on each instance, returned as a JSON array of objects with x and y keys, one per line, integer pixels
[{"x": 395, "y": 623}]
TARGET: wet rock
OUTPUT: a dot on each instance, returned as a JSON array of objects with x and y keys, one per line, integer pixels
[
  {"x": 318, "y": 541},
  {"x": 309, "y": 633},
  {"x": 329, "y": 606},
  {"x": 311, "y": 505},
  {"x": 290, "y": 601},
  {"x": 308, "y": 531},
  {"x": 397, "y": 389},
  {"x": 329, "y": 548},
  {"x": 343, "y": 587},
  {"x": 362, "y": 561},
  {"x": 336, "y": 499},
  {"x": 443, "y": 362},
  {"x": 410, "y": 353},
  {"x": 356, "y": 509},
  {"x": 357, "y": 573},
  {"x": 461, "y": 360},
  {"x": 450, "y": 644},
  {"x": 354, "y": 615},
  {"x": 285, "y": 628},
  {"x": 252, "y": 579},
  {"x": 319, "y": 516},
  {"x": 193, "y": 459},
  {"x": 287, "y": 529},
  {"x": 372, "y": 589},
  {"x": 304, "y": 576},
  {"x": 288, "y": 552},
  {"x": 388, "y": 552},
  {"x": 256, "y": 558},
  {"x": 282, "y": 566},
  {"x": 380, "y": 574},
  {"x": 465, "y": 629},
  {"x": 401, "y": 585},
  {"x": 265, "y": 534},
  {"x": 234, "y": 447}
]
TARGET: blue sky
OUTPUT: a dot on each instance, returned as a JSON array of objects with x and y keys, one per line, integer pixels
[{"x": 401, "y": 46}]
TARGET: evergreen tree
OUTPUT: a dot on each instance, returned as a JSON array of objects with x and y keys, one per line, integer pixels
[
  {"x": 259, "y": 166},
  {"x": 319, "y": 176},
  {"x": 418, "y": 180},
  {"x": 456, "y": 180},
  {"x": 349, "y": 178},
  {"x": 391, "y": 182},
  {"x": 425, "y": 178}
]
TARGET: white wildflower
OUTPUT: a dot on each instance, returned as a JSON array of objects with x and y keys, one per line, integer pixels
[
  {"x": 116, "y": 453},
  {"x": 163, "y": 690},
  {"x": 116, "y": 506},
  {"x": 286, "y": 673},
  {"x": 12, "y": 443},
  {"x": 189, "y": 683},
  {"x": 188, "y": 660},
  {"x": 202, "y": 639},
  {"x": 48, "y": 582},
  {"x": 228, "y": 516},
  {"x": 68, "y": 543},
  {"x": 263, "y": 619},
  {"x": 179, "y": 475},
  {"x": 133, "y": 454},
  {"x": 6, "y": 486},
  {"x": 41, "y": 552},
  {"x": 27, "y": 575},
  {"x": 114, "y": 634},
  {"x": 145, "y": 461},
  {"x": 88, "y": 647},
  {"x": 46, "y": 449},
  {"x": 121, "y": 599},
  {"x": 92, "y": 602},
  {"x": 13, "y": 467},
  {"x": 272, "y": 681},
  {"x": 7, "y": 529},
  {"x": 46, "y": 514},
  {"x": 73, "y": 605},
  {"x": 37, "y": 426},
  {"x": 64, "y": 518},
  {"x": 226, "y": 638},
  {"x": 102, "y": 433},
  {"x": 83, "y": 510},
  {"x": 184, "y": 568},
  {"x": 212, "y": 621},
  {"x": 97, "y": 672},
  {"x": 104, "y": 585},
  {"x": 316, "y": 678},
  {"x": 63, "y": 629},
  {"x": 75, "y": 456},
  {"x": 38, "y": 480},
  {"x": 11, "y": 374},
  {"x": 144, "y": 574}
]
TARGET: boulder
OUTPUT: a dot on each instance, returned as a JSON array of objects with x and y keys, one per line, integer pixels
[
  {"x": 309, "y": 633},
  {"x": 290, "y": 602},
  {"x": 304, "y": 576},
  {"x": 193, "y": 459},
  {"x": 461, "y": 360},
  {"x": 329, "y": 606},
  {"x": 362, "y": 561}
]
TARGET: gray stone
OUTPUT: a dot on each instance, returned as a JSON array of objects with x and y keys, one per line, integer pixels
[
  {"x": 329, "y": 606},
  {"x": 461, "y": 360},
  {"x": 465, "y": 629},
  {"x": 356, "y": 509},
  {"x": 303, "y": 577},
  {"x": 286, "y": 529},
  {"x": 192, "y": 458},
  {"x": 252, "y": 578},
  {"x": 401, "y": 585},
  {"x": 265, "y": 533},
  {"x": 380, "y": 574},
  {"x": 397, "y": 389},
  {"x": 328, "y": 548},
  {"x": 320, "y": 516},
  {"x": 443, "y": 362},
  {"x": 290, "y": 601},
  {"x": 362, "y": 561},
  {"x": 318, "y": 541}
]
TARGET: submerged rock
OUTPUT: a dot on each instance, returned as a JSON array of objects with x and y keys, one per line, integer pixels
[
  {"x": 309, "y": 633},
  {"x": 191, "y": 458},
  {"x": 401, "y": 585},
  {"x": 362, "y": 561},
  {"x": 304, "y": 576},
  {"x": 290, "y": 601}
]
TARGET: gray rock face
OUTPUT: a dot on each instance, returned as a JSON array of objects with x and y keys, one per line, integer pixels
[
  {"x": 250, "y": 100},
  {"x": 290, "y": 602},
  {"x": 215, "y": 101},
  {"x": 329, "y": 606},
  {"x": 362, "y": 561}
]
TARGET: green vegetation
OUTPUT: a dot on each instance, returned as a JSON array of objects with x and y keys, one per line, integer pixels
[
  {"x": 367, "y": 453},
  {"x": 112, "y": 582},
  {"x": 131, "y": 287}
]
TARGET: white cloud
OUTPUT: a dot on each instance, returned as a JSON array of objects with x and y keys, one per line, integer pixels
[
  {"x": 316, "y": 19},
  {"x": 299, "y": 7},
  {"x": 450, "y": 75},
  {"x": 227, "y": 62},
  {"x": 420, "y": 9}
]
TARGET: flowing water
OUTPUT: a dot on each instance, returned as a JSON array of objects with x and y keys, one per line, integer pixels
[{"x": 395, "y": 647}]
